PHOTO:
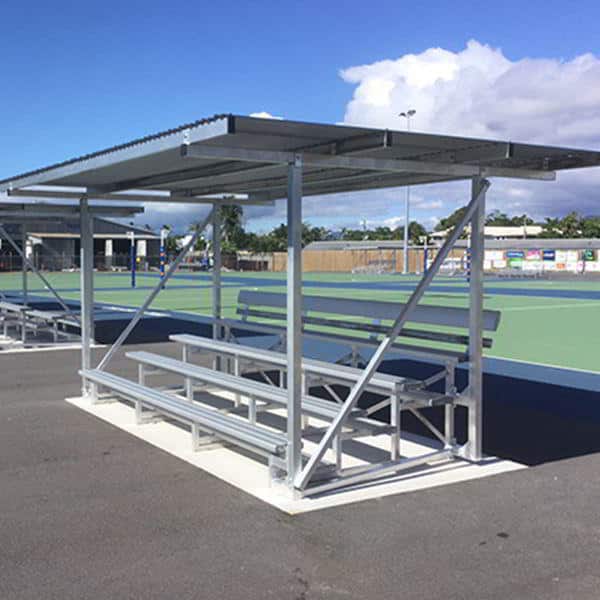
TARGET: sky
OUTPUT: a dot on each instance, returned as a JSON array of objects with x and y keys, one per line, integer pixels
[{"x": 81, "y": 76}]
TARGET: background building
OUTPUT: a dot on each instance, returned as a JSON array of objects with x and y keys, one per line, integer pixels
[{"x": 54, "y": 245}]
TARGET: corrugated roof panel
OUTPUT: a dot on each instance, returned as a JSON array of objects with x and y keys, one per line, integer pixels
[{"x": 155, "y": 161}]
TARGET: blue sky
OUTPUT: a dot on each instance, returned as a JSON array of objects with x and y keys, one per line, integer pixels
[{"x": 79, "y": 76}]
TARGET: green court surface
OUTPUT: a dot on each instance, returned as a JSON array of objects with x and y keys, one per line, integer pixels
[{"x": 547, "y": 330}]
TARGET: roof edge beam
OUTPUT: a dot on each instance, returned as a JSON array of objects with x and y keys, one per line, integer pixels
[
  {"x": 49, "y": 210},
  {"x": 160, "y": 196},
  {"x": 361, "y": 163}
]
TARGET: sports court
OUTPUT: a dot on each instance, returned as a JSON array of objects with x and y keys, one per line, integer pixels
[{"x": 548, "y": 322}]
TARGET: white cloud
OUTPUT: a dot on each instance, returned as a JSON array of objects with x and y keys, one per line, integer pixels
[
  {"x": 479, "y": 92},
  {"x": 474, "y": 92},
  {"x": 265, "y": 115}
]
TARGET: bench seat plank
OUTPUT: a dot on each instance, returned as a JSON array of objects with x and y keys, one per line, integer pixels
[
  {"x": 450, "y": 316},
  {"x": 224, "y": 426},
  {"x": 311, "y": 405},
  {"x": 380, "y": 381}
]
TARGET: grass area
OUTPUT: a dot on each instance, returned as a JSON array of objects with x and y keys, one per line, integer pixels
[{"x": 557, "y": 331}]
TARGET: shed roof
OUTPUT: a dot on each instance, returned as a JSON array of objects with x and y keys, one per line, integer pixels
[{"x": 245, "y": 155}]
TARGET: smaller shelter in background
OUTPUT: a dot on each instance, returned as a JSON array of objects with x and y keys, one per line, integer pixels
[{"x": 54, "y": 245}]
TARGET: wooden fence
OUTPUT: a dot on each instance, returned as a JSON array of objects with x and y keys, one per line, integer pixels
[{"x": 348, "y": 261}]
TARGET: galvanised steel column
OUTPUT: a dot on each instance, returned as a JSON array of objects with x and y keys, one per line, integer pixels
[
  {"x": 216, "y": 277},
  {"x": 294, "y": 319},
  {"x": 475, "y": 423},
  {"x": 86, "y": 266},
  {"x": 24, "y": 264},
  {"x": 405, "y": 265}
]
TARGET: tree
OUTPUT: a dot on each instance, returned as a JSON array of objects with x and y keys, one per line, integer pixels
[
  {"x": 416, "y": 232},
  {"x": 232, "y": 230},
  {"x": 452, "y": 220},
  {"x": 498, "y": 219},
  {"x": 570, "y": 226},
  {"x": 590, "y": 227},
  {"x": 171, "y": 240},
  {"x": 200, "y": 244},
  {"x": 551, "y": 229},
  {"x": 353, "y": 235}
]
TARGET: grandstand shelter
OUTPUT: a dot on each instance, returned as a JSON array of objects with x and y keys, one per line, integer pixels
[{"x": 267, "y": 160}]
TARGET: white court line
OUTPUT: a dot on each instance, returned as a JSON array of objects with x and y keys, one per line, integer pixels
[
  {"x": 21, "y": 350},
  {"x": 539, "y": 364},
  {"x": 551, "y": 307}
]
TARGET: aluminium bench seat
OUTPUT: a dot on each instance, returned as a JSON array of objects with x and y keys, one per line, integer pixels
[
  {"x": 438, "y": 336},
  {"x": 406, "y": 390},
  {"x": 443, "y": 339},
  {"x": 228, "y": 428},
  {"x": 13, "y": 314},
  {"x": 408, "y": 350},
  {"x": 52, "y": 319},
  {"x": 311, "y": 405}
]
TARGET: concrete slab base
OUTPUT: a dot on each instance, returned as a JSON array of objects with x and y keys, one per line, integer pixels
[{"x": 251, "y": 475}]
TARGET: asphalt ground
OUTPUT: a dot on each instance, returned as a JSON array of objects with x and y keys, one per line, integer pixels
[{"x": 88, "y": 511}]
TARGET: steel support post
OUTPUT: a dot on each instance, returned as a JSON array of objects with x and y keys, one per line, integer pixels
[
  {"x": 216, "y": 277},
  {"x": 294, "y": 319},
  {"x": 24, "y": 264},
  {"x": 406, "y": 219},
  {"x": 449, "y": 409},
  {"x": 157, "y": 288},
  {"x": 303, "y": 478},
  {"x": 474, "y": 450},
  {"x": 86, "y": 268}
]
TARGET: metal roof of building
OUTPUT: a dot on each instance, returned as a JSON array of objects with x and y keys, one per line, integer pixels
[
  {"x": 356, "y": 245},
  {"x": 522, "y": 244},
  {"x": 495, "y": 231},
  {"x": 539, "y": 244},
  {"x": 229, "y": 154}
]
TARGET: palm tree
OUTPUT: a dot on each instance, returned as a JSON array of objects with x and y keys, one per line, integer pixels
[{"x": 232, "y": 230}]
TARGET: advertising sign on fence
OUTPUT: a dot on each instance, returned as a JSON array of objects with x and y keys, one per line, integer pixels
[
  {"x": 494, "y": 255},
  {"x": 533, "y": 255},
  {"x": 549, "y": 255},
  {"x": 589, "y": 255},
  {"x": 533, "y": 265}
]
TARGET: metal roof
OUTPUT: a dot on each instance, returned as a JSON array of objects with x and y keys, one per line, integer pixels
[
  {"x": 357, "y": 245},
  {"x": 70, "y": 227},
  {"x": 513, "y": 244},
  {"x": 539, "y": 244},
  {"x": 228, "y": 154}
]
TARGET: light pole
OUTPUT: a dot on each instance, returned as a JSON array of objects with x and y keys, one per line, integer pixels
[{"x": 407, "y": 115}]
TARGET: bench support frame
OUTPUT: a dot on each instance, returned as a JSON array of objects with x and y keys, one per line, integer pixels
[
  {"x": 303, "y": 476},
  {"x": 474, "y": 215}
]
